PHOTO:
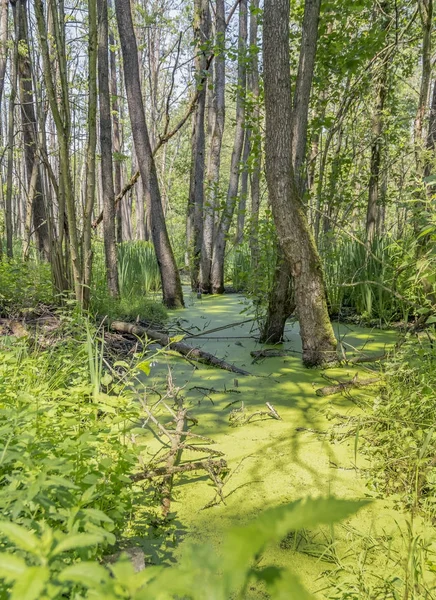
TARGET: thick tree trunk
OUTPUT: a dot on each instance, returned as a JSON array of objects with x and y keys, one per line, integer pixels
[
  {"x": 281, "y": 304},
  {"x": 194, "y": 221},
  {"x": 107, "y": 182},
  {"x": 318, "y": 340},
  {"x": 220, "y": 242},
  {"x": 214, "y": 158},
  {"x": 171, "y": 285},
  {"x": 280, "y": 299}
]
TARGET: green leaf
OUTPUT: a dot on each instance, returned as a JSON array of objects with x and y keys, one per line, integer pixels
[
  {"x": 144, "y": 366},
  {"x": 242, "y": 544},
  {"x": 80, "y": 540},
  {"x": 11, "y": 567},
  {"x": 431, "y": 320},
  {"x": 31, "y": 584},
  {"x": 21, "y": 537},
  {"x": 176, "y": 338},
  {"x": 87, "y": 573}
]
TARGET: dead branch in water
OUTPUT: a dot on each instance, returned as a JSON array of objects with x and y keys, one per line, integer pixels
[
  {"x": 329, "y": 390},
  {"x": 185, "y": 350}
]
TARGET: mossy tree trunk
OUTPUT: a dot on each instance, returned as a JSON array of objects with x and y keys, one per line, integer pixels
[{"x": 298, "y": 245}]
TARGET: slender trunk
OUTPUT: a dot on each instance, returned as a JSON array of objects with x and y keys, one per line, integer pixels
[
  {"x": 431, "y": 136},
  {"x": 58, "y": 97},
  {"x": 90, "y": 152},
  {"x": 242, "y": 207},
  {"x": 171, "y": 285},
  {"x": 116, "y": 133},
  {"x": 3, "y": 45},
  {"x": 107, "y": 183},
  {"x": 214, "y": 158},
  {"x": 426, "y": 14},
  {"x": 219, "y": 246},
  {"x": 11, "y": 134},
  {"x": 280, "y": 298},
  {"x": 256, "y": 143},
  {"x": 380, "y": 85},
  {"x": 319, "y": 344},
  {"x": 194, "y": 221}
]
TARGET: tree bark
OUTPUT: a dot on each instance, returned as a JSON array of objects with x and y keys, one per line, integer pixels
[
  {"x": 214, "y": 158},
  {"x": 426, "y": 14},
  {"x": 219, "y": 246},
  {"x": 3, "y": 44},
  {"x": 171, "y": 285},
  {"x": 318, "y": 340},
  {"x": 380, "y": 84},
  {"x": 90, "y": 151},
  {"x": 256, "y": 142},
  {"x": 281, "y": 304},
  {"x": 107, "y": 182},
  {"x": 10, "y": 153},
  {"x": 194, "y": 221}
]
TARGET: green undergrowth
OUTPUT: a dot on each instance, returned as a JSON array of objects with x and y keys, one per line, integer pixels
[{"x": 401, "y": 428}]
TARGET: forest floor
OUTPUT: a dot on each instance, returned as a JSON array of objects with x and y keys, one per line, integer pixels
[{"x": 314, "y": 450}]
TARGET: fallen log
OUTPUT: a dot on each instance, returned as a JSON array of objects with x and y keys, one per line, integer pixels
[
  {"x": 186, "y": 350},
  {"x": 329, "y": 390}
]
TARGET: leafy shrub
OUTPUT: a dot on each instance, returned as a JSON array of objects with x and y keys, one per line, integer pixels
[
  {"x": 401, "y": 430},
  {"x": 24, "y": 285},
  {"x": 35, "y": 568}
]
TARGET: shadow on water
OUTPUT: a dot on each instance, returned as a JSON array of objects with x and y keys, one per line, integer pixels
[{"x": 271, "y": 461}]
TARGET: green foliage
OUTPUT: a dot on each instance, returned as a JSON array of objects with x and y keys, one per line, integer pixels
[
  {"x": 24, "y": 285},
  {"x": 35, "y": 568},
  {"x": 139, "y": 277},
  {"x": 374, "y": 282},
  {"x": 64, "y": 442},
  {"x": 401, "y": 428}
]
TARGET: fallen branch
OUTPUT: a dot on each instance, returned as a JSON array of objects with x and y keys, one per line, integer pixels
[
  {"x": 268, "y": 353},
  {"x": 184, "y": 349},
  {"x": 366, "y": 359},
  {"x": 329, "y": 390},
  {"x": 206, "y": 465}
]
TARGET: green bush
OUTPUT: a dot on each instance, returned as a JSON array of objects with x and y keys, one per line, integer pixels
[
  {"x": 24, "y": 285},
  {"x": 401, "y": 429}
]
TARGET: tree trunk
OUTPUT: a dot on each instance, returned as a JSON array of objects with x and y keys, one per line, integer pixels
[
  {"x": 194, "y": 221},
  {"x": 219, "y": 246},
  {"x": 256, "y": 142},
  {"x": 58, "y": 97},
  {"x": 318, "y": 340},
  {"x": 372, "y": 214},
  {"x": 11, "y": 136},
  {"x": 273, "y": 329},
  {"x": 90, "y": 151},
  {"x": 426, "y": 14},
  {"x": 107, "y": 182},
  {"x": 242, "y": 207},
  {"x": 214, "y": 158},
  {"x": 3, "y": 45},
  {"x": 171, "y": 285}
]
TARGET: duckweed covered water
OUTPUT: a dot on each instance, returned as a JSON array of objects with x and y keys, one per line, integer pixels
[{"x": 306, "y": 453}]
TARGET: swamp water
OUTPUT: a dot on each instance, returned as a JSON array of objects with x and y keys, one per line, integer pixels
[{"x": 309, "y": 452}]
